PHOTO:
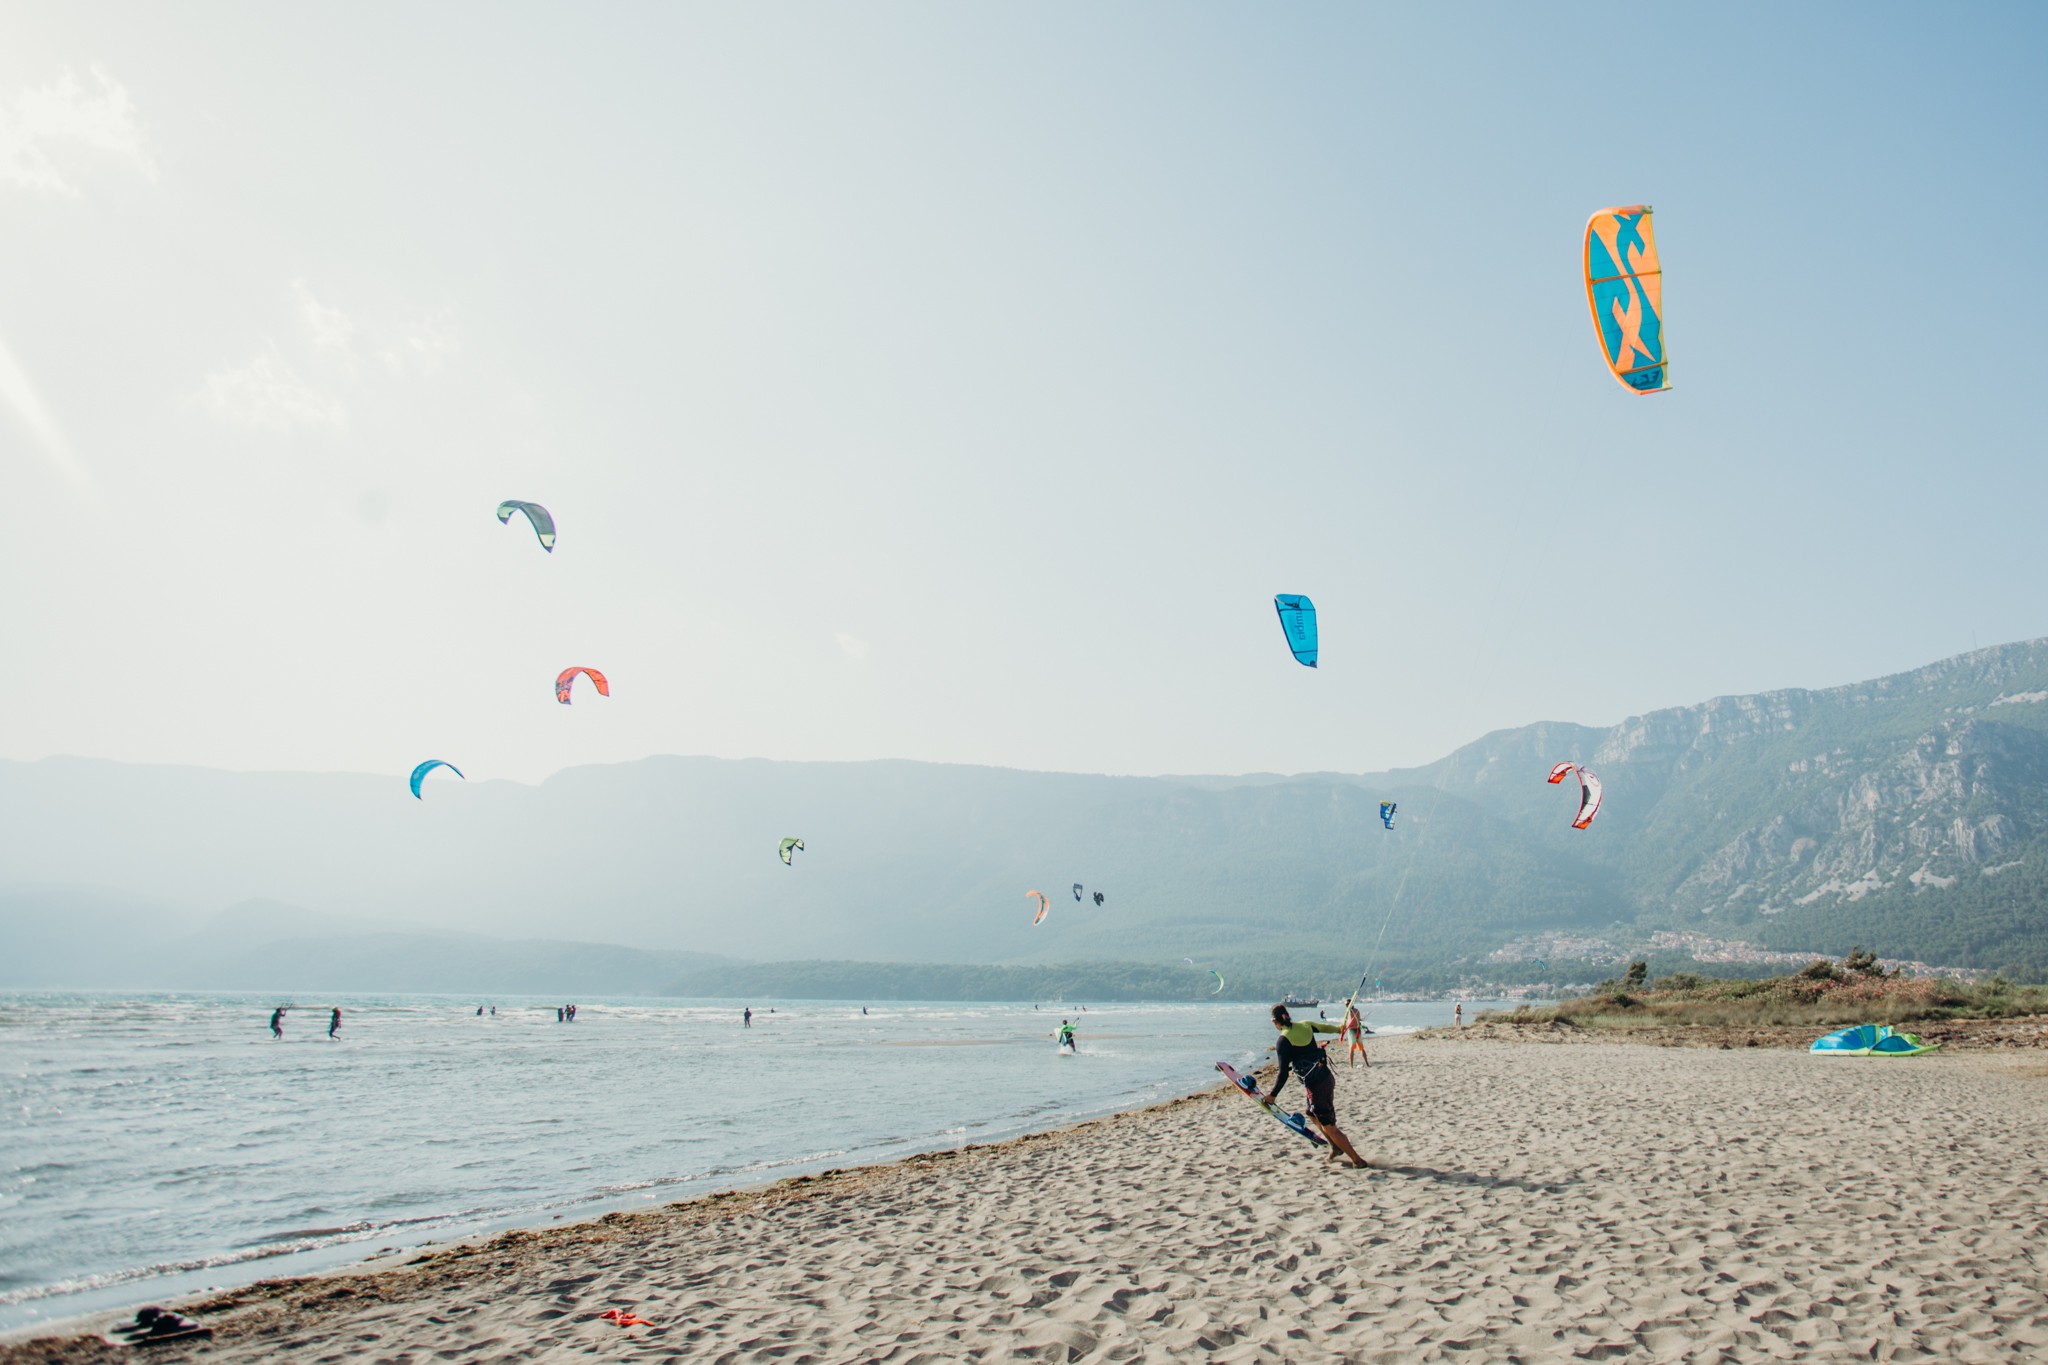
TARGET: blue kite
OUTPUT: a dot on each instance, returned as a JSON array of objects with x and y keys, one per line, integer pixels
[
  {"x": 1387, "y": 809},
  {"x": 419, "y": 774},
  {"x": 1298, "y": 620}
]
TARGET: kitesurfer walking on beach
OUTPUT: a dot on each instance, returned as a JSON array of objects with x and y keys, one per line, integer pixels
[
  {"x": 1301, "y": 1054},
  {"x": 1354, "y": 1025}
]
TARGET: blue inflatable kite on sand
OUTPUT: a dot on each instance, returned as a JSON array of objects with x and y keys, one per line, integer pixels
[
  {"x": 1298, "y": 619},
  {"x": 1872, "y": 1040}
]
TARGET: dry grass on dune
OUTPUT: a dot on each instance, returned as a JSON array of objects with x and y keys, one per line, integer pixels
[{"x": 1822, "y": 996}]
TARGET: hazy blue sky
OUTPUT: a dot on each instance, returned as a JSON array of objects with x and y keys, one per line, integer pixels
[{"x": 959, "y": 382}]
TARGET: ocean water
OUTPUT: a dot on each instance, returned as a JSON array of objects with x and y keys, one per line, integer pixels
[{"x": 153, "y": 1145}]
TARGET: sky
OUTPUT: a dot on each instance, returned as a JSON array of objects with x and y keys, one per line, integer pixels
[{"x": 960, "y": 383}]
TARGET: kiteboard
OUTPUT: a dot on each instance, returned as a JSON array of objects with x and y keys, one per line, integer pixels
[{"x": 1293, "y": 1122}]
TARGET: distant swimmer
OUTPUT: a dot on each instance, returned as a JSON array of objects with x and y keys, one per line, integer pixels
[
  {"x": 334, "y": 1022},
  {"x": 1302, "y": 1055},
  {"x": 1067, "y": 1043},
  {"x": 747, "y": 1017},
  {"x": 277, "y": 1022}
]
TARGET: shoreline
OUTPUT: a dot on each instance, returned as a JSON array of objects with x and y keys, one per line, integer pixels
[
  {"x": 372, "y": 1278},
  {"x": 561, "y": 1128},
  {"x": 1608, "y": 1200}
]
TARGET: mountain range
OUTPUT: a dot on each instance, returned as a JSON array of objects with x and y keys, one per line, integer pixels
[{"x": 1908, "y": 814}]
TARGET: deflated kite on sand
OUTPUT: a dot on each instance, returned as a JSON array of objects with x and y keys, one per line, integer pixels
[{"x": 1871, "y": 1040}]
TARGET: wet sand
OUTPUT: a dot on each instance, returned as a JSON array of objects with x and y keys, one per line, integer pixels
[{"x": 1529, "y": 1203}]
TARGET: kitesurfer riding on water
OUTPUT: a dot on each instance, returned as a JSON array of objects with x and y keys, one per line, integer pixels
[{"x": 1300, "y": 1054}]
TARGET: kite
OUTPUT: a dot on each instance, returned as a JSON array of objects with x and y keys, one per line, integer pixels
[
  {"x": 1589, "y": 792},
  {"x": 1077, "y": 891},
  {"x": 1387, "y": 809},
  {"x": 1625, "y": 290},
  {"x": 1043, "y": 906},
  {"x": 1298, "y": 619},
  {"x": 1219, "y": 981},
  {"x": 1098, "y": 898},
  {"x": 567, "y": 676},
  {"x": 419, "y": 774},
  {"x": 543, "y": 524},
  {"x": 789, "y": 847}
]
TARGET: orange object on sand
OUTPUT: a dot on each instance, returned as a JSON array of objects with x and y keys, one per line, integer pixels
[{"x": 624, "y": 1318}]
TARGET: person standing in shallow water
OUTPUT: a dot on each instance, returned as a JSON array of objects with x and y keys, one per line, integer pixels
[
  {"x": 747, "y": 1017},
  {"x": 1300, "y": 1054},
  {"x": 334, "y": 1022},
  {"x": 277, "y": 1022}
]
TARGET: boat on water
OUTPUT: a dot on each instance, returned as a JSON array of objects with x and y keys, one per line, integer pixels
[{"x": 1295, "y": 1004}]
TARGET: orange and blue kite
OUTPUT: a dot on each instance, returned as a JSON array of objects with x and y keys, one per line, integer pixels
[
  {"x": 567, "y": 677},
  {"x": 1625, "y": 290}
]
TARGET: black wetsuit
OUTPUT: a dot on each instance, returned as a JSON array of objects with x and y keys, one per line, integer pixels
[{"x": 1307, "y": 1061}]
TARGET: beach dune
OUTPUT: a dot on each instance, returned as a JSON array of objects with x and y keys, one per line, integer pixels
[{"x": 1529, "y": 1203}]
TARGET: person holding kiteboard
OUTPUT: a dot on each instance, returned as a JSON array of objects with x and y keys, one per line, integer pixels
[
  {"x": 1066, "y": 1036},
  {"x": 1302, "y": 1055}
]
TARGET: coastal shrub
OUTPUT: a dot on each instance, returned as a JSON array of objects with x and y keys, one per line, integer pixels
[
  {"x": 1821, "y": 1000},
  {"x": 1638, "y": 975}
]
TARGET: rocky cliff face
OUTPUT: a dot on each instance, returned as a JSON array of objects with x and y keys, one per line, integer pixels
[
  {"x": 1945, "y": 805},
  {"x": 1744, "y": 807}
]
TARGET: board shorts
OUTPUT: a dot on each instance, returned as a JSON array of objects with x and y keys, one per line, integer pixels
[{"x": 1322, "y": 1096}]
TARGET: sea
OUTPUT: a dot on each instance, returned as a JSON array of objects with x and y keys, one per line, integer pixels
[{"x": 154, "y": 1145}]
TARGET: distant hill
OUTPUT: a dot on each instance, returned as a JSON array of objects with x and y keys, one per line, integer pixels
[
  {"x": 1909, "y": 814},
  {"x": 86, "y": 940}
]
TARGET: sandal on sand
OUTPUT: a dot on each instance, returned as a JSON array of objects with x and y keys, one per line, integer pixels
[{"x": 154, "y": 1326}]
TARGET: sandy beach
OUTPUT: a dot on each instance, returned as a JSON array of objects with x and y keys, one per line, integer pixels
[{"x": 1528, "y": 1203}]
